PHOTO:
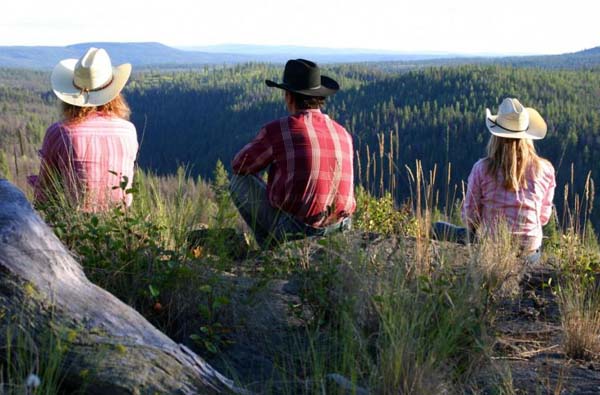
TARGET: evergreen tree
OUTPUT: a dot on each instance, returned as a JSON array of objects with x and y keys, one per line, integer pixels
[{"x": 226, "y": 212}]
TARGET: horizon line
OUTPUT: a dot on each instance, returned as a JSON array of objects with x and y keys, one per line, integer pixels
[{"x": 371, "y": 51}]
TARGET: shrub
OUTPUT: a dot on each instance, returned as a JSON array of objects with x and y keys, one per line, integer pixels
[
  {"x": 137, "y": 255},
  {"x": 380, "y": 215}
]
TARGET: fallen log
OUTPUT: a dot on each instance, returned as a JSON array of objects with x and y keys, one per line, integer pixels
[{"x": 110, "y": 348}]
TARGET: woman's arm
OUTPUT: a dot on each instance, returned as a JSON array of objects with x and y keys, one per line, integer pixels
[
  {"x": 471, "y": 210},
  {"x": 546, "y": 210},
  {"x": 54, "y": 151}
]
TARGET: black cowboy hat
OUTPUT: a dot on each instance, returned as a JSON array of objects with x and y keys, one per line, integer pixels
[{"x": 304, "y": 77}]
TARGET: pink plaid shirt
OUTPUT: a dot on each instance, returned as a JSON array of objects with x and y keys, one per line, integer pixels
[
  {"x": 84, "y": 156},
  {"x": 524, "y": 211},
  {"x": 311, "y": 166}
]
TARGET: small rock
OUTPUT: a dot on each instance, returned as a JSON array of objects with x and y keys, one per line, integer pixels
[
  {"x": 346, "y": 384},
  {"x": 529, "y": 312}
]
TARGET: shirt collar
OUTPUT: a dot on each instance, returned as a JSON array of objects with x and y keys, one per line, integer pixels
[{"x": 313, "y": 110}]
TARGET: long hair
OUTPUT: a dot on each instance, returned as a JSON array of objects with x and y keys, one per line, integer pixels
[
  {"x": 514, "y": 158},
  {"x": 116, "y": 107}
]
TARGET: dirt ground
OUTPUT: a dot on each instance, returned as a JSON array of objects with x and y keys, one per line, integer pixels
[{"x": 529, "y": 336}]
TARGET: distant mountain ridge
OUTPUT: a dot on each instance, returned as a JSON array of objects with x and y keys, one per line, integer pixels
[
  {"x": 589, "y": 51},
  {"x": 138, "y": 54},
  {"x": 320, "y": 53},
  {"x": 151, "y": 54},
  {"x": 586, "y": 58},
  {"x": 155, "y": 54}
]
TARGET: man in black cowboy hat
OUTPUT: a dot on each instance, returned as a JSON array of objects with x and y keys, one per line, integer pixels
[{"x": 310, "y": 187}]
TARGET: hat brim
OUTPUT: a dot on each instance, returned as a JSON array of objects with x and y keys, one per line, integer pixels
[
  {"x": 536, "y": 131},
  {"x": 62, "y": 85},
  {"x": 328, "y": 87}
]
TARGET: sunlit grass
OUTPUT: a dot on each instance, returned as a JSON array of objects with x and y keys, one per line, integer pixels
[
  {"x": 580, "y": 310},
  {"x": 415, "y": 322}
]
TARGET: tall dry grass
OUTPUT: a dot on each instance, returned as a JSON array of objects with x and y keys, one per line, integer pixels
[
  {"x": 580, "y": 310},
  {"x": 576, "y": 252}
]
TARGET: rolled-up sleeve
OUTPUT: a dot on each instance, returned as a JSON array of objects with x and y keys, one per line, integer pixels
[
  {"x": 471, "y": 210},
  {"x": 255, "y": 156}
]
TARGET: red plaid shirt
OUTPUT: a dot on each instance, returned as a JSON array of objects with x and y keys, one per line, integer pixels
[{"x": 311, "y": 166}]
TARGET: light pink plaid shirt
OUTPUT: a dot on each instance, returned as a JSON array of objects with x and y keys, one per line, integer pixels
[
  {"x": 525, "y": 211},
  {"x": 84, "y": 155}
]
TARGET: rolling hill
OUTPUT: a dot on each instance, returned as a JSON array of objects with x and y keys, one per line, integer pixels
[
  {"x": 138, "y": 54},
  {"x": 156, "y": 54},
  {"x": 152, "y": 54}
]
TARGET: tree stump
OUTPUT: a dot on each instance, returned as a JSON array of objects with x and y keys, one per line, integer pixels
[{"x": 119, "y": 351}]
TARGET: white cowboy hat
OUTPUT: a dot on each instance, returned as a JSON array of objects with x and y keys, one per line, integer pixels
[
  {"x": 515, "y": 121},
  {"x": 90, "y": 81}
]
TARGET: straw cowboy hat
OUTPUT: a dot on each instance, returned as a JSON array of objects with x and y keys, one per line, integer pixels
[
  {"x": 89, "y": 81},
  {"x": 515, "y": 121},
  {"x": 304, "y": 77}
]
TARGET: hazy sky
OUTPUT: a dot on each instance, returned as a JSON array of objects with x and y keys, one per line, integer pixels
[{"x": 457, "y": 26}]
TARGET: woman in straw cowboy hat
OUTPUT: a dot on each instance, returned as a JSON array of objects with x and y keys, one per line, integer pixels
[
  {"x": 90, "y": 154},
  {"x": 511, "y": 185}
]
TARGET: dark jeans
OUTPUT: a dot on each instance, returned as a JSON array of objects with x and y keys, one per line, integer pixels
[
  {"x": 269, "y": 224},
  {"x": 458, "y": 234},
  {"x": 448, "y": 232}
]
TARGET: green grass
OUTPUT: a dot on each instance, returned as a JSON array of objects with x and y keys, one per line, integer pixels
[
  {"x": 417, "y": 322},
  {"x": 31, "y": 365}
]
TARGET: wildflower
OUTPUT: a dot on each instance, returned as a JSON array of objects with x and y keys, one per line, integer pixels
[{"x": 32, "y": 381}]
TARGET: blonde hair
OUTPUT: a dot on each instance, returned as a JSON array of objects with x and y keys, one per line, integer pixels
[
  {"x": 117, "y": 107},
  {"x": 514, "y": 158}
]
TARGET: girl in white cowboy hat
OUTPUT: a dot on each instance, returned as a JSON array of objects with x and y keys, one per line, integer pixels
[
  {"x": 511, "y": 185},
  {"x": 90, "y": 154}
]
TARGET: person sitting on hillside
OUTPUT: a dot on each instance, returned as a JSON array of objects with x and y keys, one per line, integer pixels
[
  {"x": 310, "y": 189},
  {"x": 512, "y": 185},
  {"x": 90, "y": 154}
]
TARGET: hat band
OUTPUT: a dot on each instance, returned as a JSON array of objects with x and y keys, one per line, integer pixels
[
  {"x": 507, "y": 129},
  {"x": 308, "y": 88},
  {"x": 95, "y": 89}
]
